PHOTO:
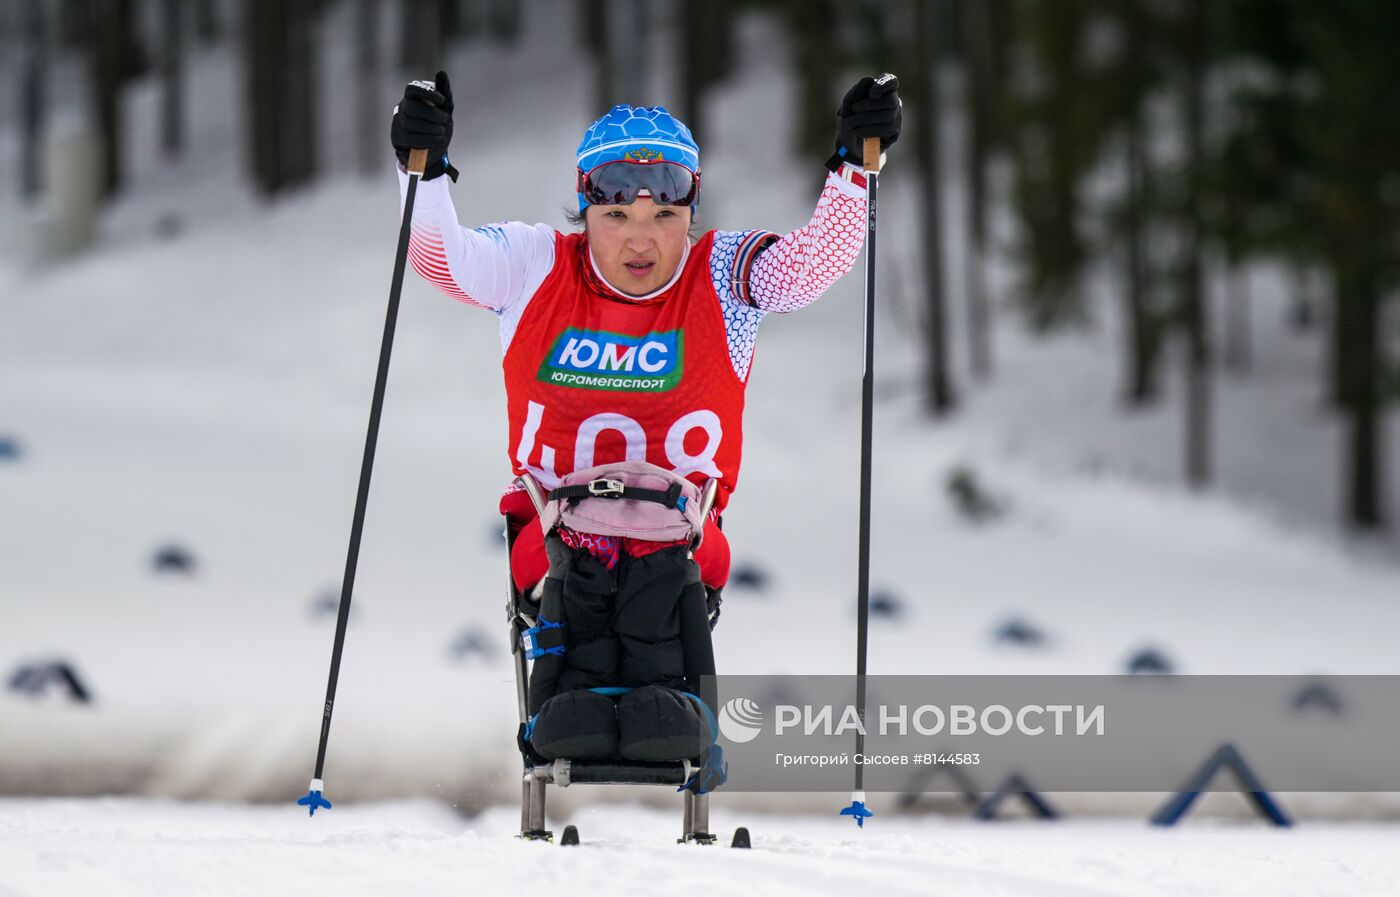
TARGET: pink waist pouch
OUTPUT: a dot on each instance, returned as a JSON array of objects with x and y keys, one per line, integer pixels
[{"x": 632, "y": 499}]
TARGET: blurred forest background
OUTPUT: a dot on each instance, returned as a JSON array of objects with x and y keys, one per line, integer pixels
[{"x": 1169, "y": 148}]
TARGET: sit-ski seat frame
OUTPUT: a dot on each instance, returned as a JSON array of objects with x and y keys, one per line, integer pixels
[{"x": 522, "y": 612}]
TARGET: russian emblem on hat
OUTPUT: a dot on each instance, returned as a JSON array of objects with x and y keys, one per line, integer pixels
[{"x": 637, "y": 134}]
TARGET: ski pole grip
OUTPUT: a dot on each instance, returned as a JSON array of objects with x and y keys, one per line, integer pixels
[
  {"x": 872, "y": 154},
  {"x": 418, "y": 161}
]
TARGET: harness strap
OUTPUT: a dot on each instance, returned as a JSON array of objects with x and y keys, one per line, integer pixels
[
  {"x": 604, "y": 488},
  {"x": 543, "y": 638}
]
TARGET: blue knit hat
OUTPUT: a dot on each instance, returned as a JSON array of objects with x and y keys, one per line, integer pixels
[{"x": 643, "y": 133}]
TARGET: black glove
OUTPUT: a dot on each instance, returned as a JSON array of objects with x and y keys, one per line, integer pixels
[
  {"x": 423, "y": 120},
  {"x": 871, "y": 108}
]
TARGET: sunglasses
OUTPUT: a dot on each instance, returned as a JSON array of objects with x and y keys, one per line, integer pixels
[{"x": 619, "y": 183}]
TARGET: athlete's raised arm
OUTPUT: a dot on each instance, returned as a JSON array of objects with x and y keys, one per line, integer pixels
[
  {"x": 782, "y": 274},
  {"x": 494, "y": 266}
]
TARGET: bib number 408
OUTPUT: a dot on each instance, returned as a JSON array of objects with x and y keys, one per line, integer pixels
[{"x": 586, "y": 441}]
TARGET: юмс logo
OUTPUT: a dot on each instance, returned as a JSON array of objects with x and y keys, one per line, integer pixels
[{"x": 597, "y": 359}]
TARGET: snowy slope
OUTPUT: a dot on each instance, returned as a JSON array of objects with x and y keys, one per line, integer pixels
[
  {"x": 212, "y": 390},
  {"x": 123, "y": 848}
]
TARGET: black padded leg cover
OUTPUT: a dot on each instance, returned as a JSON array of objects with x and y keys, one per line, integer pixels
[
  {"x": 647, "y": 622},
  {"x": 592, "y": 653},
  {"x": 660, "y": 724},
  {"x": 576, "y": 725},
  {"x": 696, "y": 644}
]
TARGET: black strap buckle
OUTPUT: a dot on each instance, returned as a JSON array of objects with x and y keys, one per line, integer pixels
[{"x": 606, "y": 488}]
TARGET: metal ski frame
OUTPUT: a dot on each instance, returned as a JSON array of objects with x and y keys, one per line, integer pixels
[{"x": 521, "y": 612}]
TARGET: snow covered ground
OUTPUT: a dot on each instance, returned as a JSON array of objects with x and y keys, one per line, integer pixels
[
  {"x": 211, "y": 391},
  {"x": 127, "y": 848}
]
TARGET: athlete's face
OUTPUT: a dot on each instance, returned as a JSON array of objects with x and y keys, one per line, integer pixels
[{"x": 637, "y": 247}]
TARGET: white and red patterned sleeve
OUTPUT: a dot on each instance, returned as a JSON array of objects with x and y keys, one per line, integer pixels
[
  {"x": 757, "y": 271},
  {"x": 796, "y": 269},
  {"x": 497, "y": 266}
]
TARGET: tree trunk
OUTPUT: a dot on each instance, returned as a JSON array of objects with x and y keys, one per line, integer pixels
[
  {"x": 1302, "y": 300},
  {"x": 172, "y": 119},
  {"x": 1144, "y": 341},
  {"x": 924, "y": 116},
  {"x": 817, "y": 60},
  {"x": 1341, "y": 354},
  {"x": 299, "y": 89},
  {"x": 33, "y": 98},
  {"x": 705, "y": 42},
  {"x": 449, "y": 20},
  {"x": 281, "y": 72},
  {"x": 1194, "y": 317},
  {"x": 1237, "y": 355},
  {"x": 692, "y": 66},
  {"x": 597, "y": 37},
  {"x": 1358, "y": 327},
  {"x": 618, "y": 34},
  {"x": 105, "y": 76},
  {"x": 421, "y": 41},
  {"x": 207, "y": 25},
  {"x": 74, "y": 23},
  {"x": 105, "y": 30},
  {"x": 977, "y": 81},
  {"x": 371, "y": 109},
  {"x": 263, "y": 36},
  {"x": 503, "y": 21},
  {"x": 636, "y": 64}
]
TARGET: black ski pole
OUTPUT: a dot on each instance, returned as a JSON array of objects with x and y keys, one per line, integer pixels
[
  {"x": 858, "y": 809},
  {"x": 417, "y": 161}
]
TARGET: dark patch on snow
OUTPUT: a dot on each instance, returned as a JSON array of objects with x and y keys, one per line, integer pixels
[
  {"x": 886, "y": 604},
  {"x": 9, "y": 448},
  {"x": 472, "y": 642},
  {"x": 921, "y": 795},
  {"x": 327, "y": 604},
  {"x": 1150, "y": 662},
  {"x": 748, "y": 576},
  {"x": 1318, "y": 696},
  {"x": 1021, "y": 632},
  {"x": 1015, "y": 786},
  {"x": 1226, "y": 757},
  {"x": 38, "y": 679},
  {"x": 970, "y": 497},
  {"x": 173, "y": 558},
  {"x": 775, "y": 693}
]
